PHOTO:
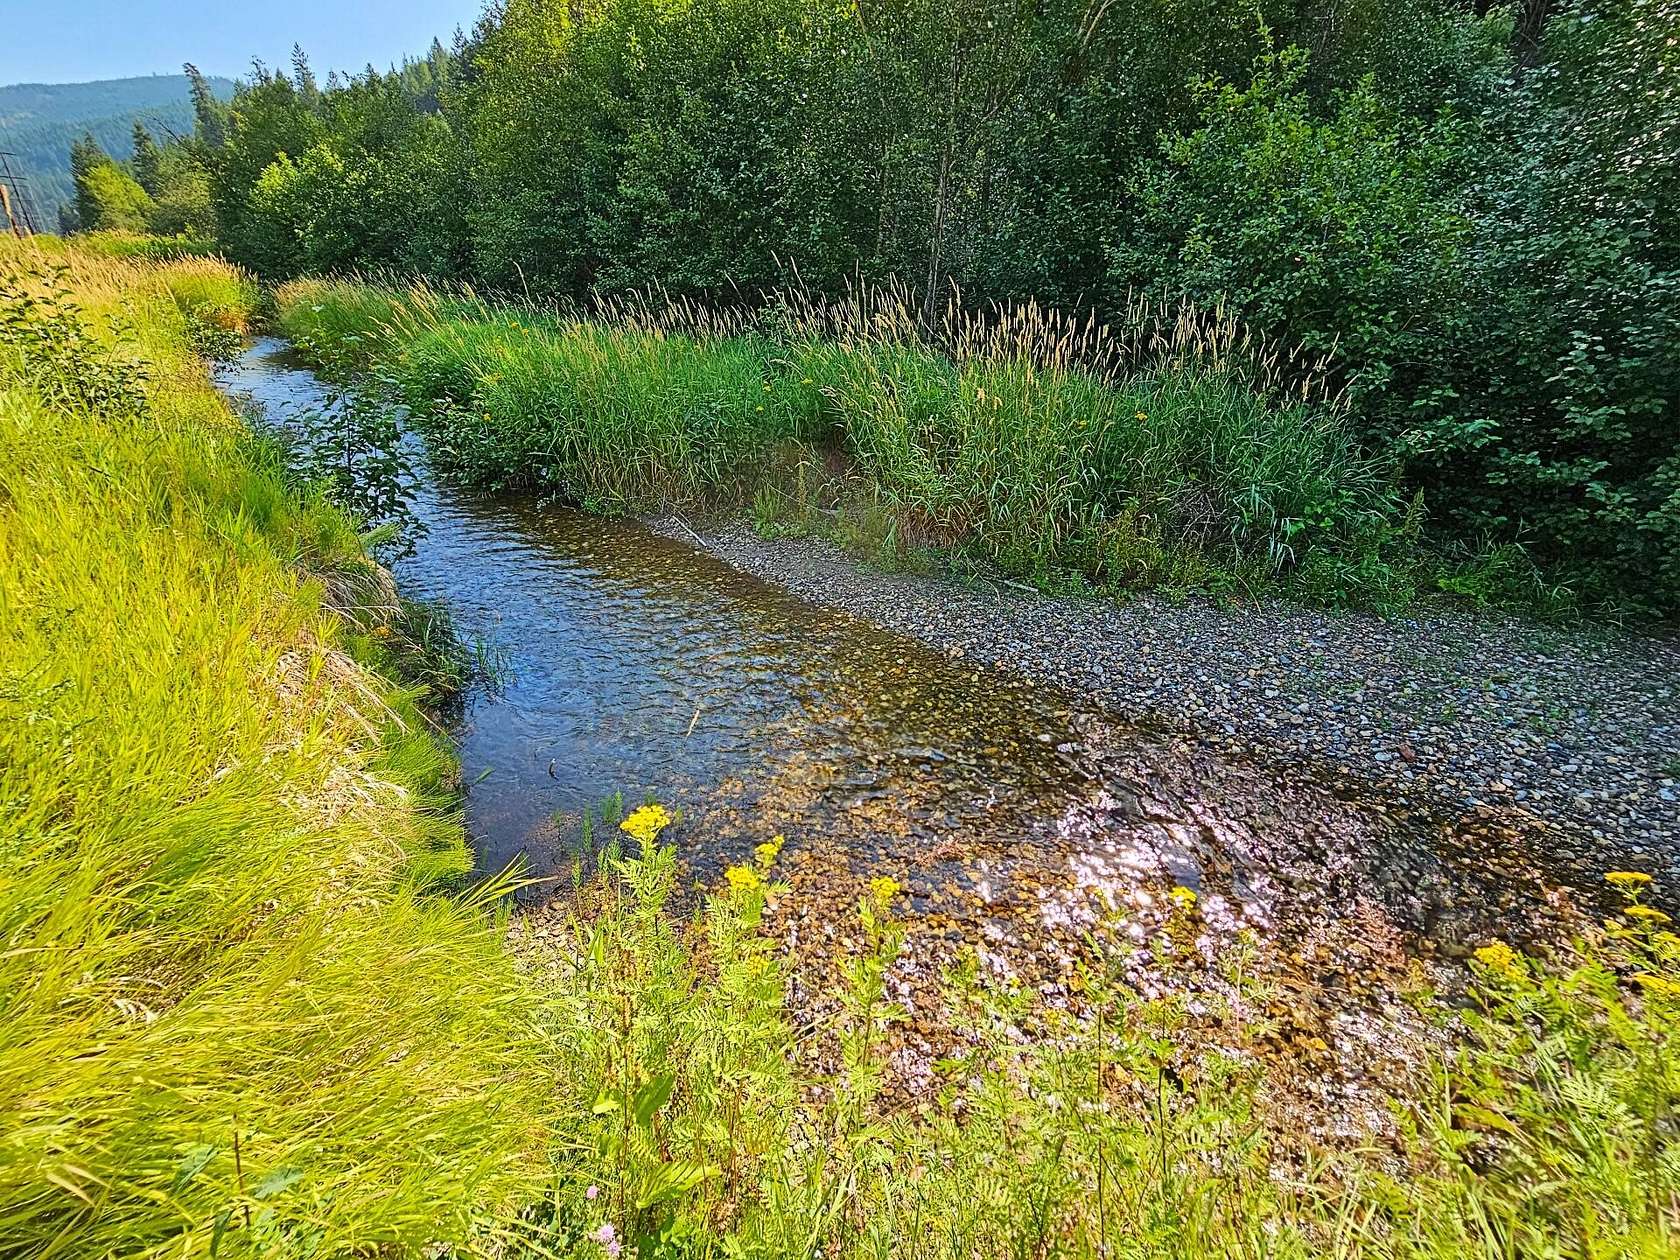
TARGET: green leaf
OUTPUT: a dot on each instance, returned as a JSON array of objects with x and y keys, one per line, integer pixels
[
  {"x": 222, "y": 1219},
  {"x": 669, "y": 1180},
  {"x": 277, "y": 1181},
  {"x": 191, "y": 1166},
  {"x": 652, "y": 1096}
]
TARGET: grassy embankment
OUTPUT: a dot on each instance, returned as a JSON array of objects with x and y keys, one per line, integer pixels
[
  {"x": 241, "y": 1019},
  {"x": 233, "y": 1005},
  {"x": 1160, "y": 452}
]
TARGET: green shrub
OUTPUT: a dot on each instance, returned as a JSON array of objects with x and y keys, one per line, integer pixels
[
  {"x": 1344, "y": 235},
  {"x": 1562, "y": 426},
  {"x": 1496, "y": 283}
]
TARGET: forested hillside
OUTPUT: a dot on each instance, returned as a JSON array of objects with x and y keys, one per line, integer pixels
[
  {"x": 38, "y": 122},
  {"x": 1456, "y": 214}
]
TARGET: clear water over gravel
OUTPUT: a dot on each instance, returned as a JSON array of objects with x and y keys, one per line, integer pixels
[
  {"x": 1014, "y": 813},
  {"x": 637, "y": 663}
]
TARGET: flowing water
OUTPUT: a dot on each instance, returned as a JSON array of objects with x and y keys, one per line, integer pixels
[
  {"x": 635, "y": 663},
  {"x": 631, "y": 662}
]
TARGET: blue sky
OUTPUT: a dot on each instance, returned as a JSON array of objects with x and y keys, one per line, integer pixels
[{"x": 66, "y": 41}]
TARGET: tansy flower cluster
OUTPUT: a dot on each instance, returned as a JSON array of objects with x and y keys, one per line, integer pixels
[
  {"x": 645, "y": 823},
  {"x": 1498, "y": 958},
  {"x": 1627, "y": 879},
  {"x": 743, "y": 879}
]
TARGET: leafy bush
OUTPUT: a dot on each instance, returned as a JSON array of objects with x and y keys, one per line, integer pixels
[
  {"x": 1563, "y": 426},
  {"x": 109, "y": 199},
  {"x": 1497, "y": 288},
  {"x": 1342, "y": 236}
]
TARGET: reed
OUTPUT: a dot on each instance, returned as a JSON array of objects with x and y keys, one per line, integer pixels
[{"x": 1169, "y": 446}]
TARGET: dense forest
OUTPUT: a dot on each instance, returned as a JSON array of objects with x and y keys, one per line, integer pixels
[
  {"x": 1462, "y": 214},
  {"x": 40, "y": 121}
]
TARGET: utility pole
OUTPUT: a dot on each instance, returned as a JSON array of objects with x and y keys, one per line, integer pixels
[{"x": 15, "y": 204}]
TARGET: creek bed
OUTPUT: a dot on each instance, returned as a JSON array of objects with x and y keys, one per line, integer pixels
[{"x": 1018, "y": 818}]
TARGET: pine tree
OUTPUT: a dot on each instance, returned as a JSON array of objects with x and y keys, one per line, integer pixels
[
  {"x": 211, "y": 114},
  {"x": 85, "y": 156},
  {"x": 146, "y": 159},
  {"x": 303, "y": 78}
]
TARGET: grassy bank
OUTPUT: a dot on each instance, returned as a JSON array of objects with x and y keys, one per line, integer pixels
[
  {"x": 238, "y": 1013},
  {"x": 1158, "y": 451},
  {"x": 1117, "y": 1133}
]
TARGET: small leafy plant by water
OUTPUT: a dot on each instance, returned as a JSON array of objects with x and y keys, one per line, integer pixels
[{"x": 352, "y": 447}]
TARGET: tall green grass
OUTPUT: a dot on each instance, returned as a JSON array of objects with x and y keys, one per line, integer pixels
[
  {"x": 201, "y": 285},
  {"x": 237, "y": 1012},
  {"x": 1163, "y": 450},
  {"x": 145, "y": 246}
]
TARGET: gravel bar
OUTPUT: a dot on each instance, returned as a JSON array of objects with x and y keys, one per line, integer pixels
[{"x": 1579, "y": 725}]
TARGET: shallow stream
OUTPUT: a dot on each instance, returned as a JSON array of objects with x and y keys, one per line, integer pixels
[{"x": 1017, "y": 817}]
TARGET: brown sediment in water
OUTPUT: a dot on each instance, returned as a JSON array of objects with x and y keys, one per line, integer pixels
[{"x": 1322, "y": 939}]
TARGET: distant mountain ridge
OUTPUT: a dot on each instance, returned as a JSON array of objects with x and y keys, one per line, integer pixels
[{"x": 39, "y": 120}]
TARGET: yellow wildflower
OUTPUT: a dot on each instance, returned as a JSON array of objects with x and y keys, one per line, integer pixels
[
  {"x": 883, "y": 888},
  {"x": 743, "y": 879},
  {"x": 1182, "y": 897},
  {"x": 770, "y": 850},
  {"x": 382, "y": 632},
  {"x": 1628, "y": 879},
  {"x": 1647, "y": 912},
  {"x": 646, "y": 823},
  {"x": 1498, "y": 958},
  {"x": 1142, "y": 415}
]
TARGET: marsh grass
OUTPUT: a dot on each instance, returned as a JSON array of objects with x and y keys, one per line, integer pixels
[
  {"x": 240, "y": 1014},
  {"x": 1161, "y": 449}
]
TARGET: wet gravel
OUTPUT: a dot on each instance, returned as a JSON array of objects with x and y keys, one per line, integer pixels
[{"x": 1577, "y": 726}]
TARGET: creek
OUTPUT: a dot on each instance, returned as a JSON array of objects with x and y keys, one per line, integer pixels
[{"x": 1018, "y": 818}]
